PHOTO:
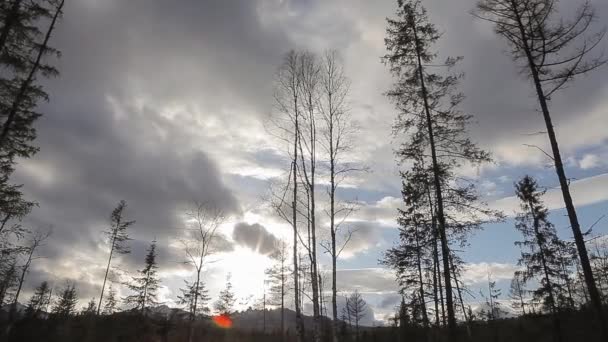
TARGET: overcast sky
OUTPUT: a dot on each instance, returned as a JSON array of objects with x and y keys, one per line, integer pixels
[{"x": 162, "y": 103}]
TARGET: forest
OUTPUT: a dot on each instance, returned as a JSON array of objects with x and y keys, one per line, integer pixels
[{"x": 558, "y": 288}]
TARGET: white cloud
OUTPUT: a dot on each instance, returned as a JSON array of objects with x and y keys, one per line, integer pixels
[
  {"x": 589, "y": 161},
  {"x": 584, "y": 192}
]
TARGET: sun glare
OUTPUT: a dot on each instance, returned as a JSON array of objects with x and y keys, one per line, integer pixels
[{"x": 247, "y": 269}]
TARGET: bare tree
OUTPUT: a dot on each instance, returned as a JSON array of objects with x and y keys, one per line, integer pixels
[
  {"x": 203, "y": 221},
  {"x": 118, "y": 236},
  {"x": 337, "y": 131},
  {"x": 277, "y": 277},
  {"x": 35, "y": 241},
  {"x": 287, "y": 100},
  {"x": 553, "y": 52}
]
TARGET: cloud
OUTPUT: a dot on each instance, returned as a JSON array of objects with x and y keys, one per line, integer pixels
[
  {"x": 584, "y": 192},
  {"x": 476, "y": 273},
  {"x": 255, "y": 237},
  {"x": 365, "y": 236}
]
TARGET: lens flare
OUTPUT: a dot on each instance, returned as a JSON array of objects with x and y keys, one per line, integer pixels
[{"x": 223, "y": 321}]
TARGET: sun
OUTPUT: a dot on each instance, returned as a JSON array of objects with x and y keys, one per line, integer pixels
[{"x": 248, "y": 272}]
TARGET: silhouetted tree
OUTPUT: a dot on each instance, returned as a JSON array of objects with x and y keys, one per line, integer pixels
[
  {"x": 117, "y": 237},
  {"x": 65, "y": 305},
  {"x": 90, "y": 309},
  {"x": 428, "y": 105},
  {"x": 24, "y": 46},
  {"x": 539, "y": 247},
  {"x": 337, "y": 131},
  {"x": 517, "y": 292},
  {"x": 35, "y": 241},
  {"x": 111, "y": 302},
  {"x": 225, "y": 302},
  {"x": 278, "y": 276},
  {"x": 289, "y": 103},
  {"x": 145, "y": 285},
  {"x": 356, "y": 308},
  {"x": 189, "y": 292},
  {"x": 553, "y": 52},
  {"x": 39, "y": 300},
  {"x": 199, "y": 243}
]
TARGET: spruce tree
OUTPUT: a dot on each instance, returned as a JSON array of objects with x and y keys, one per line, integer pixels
[
  {"x": 111, "y": 302},
  {"x": 65, "y": 306},
  {"x": 225, "y": 302},
  {"x": 540, "y": 247},
  {"x": 117, "y": 237},
  {"x": 39, "y": 300},
  {"x": 552, "y": 53},
  {"x": 428, "y": 113},
  {"x": 145, "y": 286}
]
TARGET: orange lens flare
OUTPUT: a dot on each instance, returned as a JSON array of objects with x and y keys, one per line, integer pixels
[{"x": 223, "y": 321}]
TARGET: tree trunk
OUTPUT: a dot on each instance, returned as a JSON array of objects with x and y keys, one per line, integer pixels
[{"x": 563, "y": 181}]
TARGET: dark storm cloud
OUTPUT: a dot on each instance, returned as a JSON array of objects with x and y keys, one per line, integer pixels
[{"x": 255, "y": 237}]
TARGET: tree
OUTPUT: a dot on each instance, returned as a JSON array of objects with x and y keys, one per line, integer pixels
[
  {"x": 494, "y": 311},
  {"x": 336, "y": 132},
  {"x": 288, "y": 102},
  {"x": 517, "y": 292},
  {"x": 189, "y": 292},
  {"x": 90, "y": 309},
  {"x": 111, "y": 301},
  {"x": 24, "y": 45},
  {"x": 225, "y": 302},
  {"x": 118, "y": 237},
  {"x": 39, "y": 300},
  {"x": 65, "y": 306},
  {"x": 356, "y": 308},
  {"x": 553, "y": 52},
  {"x": 145, "y": 286},
  {"x": 36, "y": 240},
  {"x": 539, "y": 247},
  {"x": 428, "y": 105},
  {"x": 202, "y": 222},
  {"x": 277, "y": 278}
]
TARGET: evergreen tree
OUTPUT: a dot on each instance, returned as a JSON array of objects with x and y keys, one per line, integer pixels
[
  {"x": 24, "y": 47},
  {"x": 517, "y": 293},
  {"x": 540, "y": 247},
  {"x": 356, "y": 308},
  {"x": 90, "y": 309},
  {"x": 428, "y": 113},
  {"x": 39, "y": 300},
  {"x": 226, "y": 300},
  {"x": 145, "y": 286},
  {"x": 111, "y": 302},
  {"x": 65, "y": 306},
  {"x": 189, "y": 292},
  {"x": 117, "y": 236},
  {"x": 553, "y": 52}
]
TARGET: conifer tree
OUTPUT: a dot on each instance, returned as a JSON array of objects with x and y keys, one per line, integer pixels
[
  {"x": 39, "y": 300},
  {"x": 552, "y": 53},
  {"x": 428, "y": 113},
  {"x": 65, "y": 306},
  {"x": 356, "y": 308},
  {"x": 517, "y": 293},
  {"x": 111, "y": 302},
  {"x": 145, "y": 285},
  {"x": 90, "y": 309},
  {"x": 540, "y": 247},
  {"x": 24, "y": 49},
  {"x": 225, "y": 302},
  {"x": 189, "y": 292},
  {"x": 117, "y": 237}
]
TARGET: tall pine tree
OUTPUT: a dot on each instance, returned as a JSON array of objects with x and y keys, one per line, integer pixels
[{"x": 145, "y": 285}]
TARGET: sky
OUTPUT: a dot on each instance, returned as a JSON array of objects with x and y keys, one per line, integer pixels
[{"x": 164, "y": 103}]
